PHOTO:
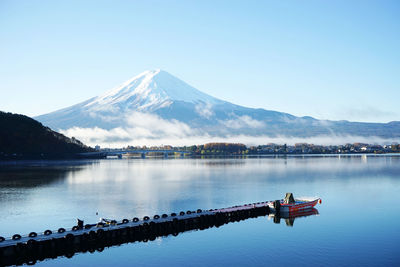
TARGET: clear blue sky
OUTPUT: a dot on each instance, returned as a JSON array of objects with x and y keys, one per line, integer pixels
[{"x": 326, "y": 59}]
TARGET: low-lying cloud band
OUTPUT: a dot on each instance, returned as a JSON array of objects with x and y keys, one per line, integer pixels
[{"x": 151, "y": 130}]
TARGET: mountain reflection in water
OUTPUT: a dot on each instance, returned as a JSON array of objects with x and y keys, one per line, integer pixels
[{"x": 31, "y": 174}]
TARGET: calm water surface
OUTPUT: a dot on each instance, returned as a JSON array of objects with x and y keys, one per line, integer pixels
[{"x": 358, "y": 221}]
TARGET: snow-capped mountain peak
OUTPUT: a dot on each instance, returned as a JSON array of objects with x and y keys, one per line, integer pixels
[
  {"x": 156, "y": 105},
  {"x": 150, "y": 90}
]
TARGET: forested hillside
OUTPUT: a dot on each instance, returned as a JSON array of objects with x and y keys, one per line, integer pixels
[{"x": 22, "y": 137}]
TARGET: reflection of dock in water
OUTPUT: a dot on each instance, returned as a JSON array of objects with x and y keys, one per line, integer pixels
[{"x": 290, "y": 217}]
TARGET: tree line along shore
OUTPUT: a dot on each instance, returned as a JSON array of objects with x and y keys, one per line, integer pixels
[{"x": 300, "y": 148}]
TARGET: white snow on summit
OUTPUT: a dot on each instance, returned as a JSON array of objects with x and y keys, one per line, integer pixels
[
  {"x": 155, "y": 106},
  {"x": 150, "y": 90}
]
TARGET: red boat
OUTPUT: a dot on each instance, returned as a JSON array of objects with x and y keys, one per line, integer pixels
[{"x": 289, "y": 204}]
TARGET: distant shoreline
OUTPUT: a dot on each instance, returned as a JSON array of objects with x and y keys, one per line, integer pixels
[
  {"x": 232, "y": 149},
  {"x": 66, "y": 161}
]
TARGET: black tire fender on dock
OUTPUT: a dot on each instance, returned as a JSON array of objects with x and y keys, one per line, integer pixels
[
  {"x": 75, "y": 228},
  {"x": 61, "y": 230},
  {"x": 135, "y": 219},
  {"x": 156, "y": 217},
  {"x": 277, "y": 205},
  {"x": 2, "y": 239},
  {"x": 146, "y": 218},
  {"x": 125, "y": 221},
  {"x": 32, "y": 234},
  {"x": 164, "y": 215},
  {"x": 188, "y": 212},
  {"x": 31, "y": 242},
  {"x": 173, "y": 214},
  {"x": 48, "y": 232},
  {"x": 31, "y": 262},
  {"x": 182, "y": 213},
  {"x": 16, "y": 237},
  {"x": 92, "y": 234},
  {"x": 70, "y": 254},
  {"x": 199, "y": 211},
  {"x": 69, "y": 236}
]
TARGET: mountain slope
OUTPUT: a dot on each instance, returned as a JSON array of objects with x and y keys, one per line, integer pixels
[
  {"x": 156, "y": 92},
  {"x": 24, "y": 138},
  {"x": 173, "y": 102}
]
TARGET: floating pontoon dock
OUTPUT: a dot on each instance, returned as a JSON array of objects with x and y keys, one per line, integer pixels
[{"x": 30, "y": 248}]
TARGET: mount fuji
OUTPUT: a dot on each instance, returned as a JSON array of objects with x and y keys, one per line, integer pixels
[{"x": 155, "y": 105}]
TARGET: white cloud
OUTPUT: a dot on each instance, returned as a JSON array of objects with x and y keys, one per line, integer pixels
[
  {"x": 324, "y": 123},
  {"x": 243, "y": 122},
  {"x": 147, "y": 129},
  {"x": 149, "y": 125},
  {"x": 140, "y": 127},
  {"x": 204, "y": 110}
]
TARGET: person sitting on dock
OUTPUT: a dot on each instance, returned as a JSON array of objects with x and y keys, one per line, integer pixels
[
  {"x": 80, "y": 223},
  {"x": 289, "y": 199}
]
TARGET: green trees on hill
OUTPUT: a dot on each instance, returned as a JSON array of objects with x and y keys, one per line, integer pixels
[{"x": 22, "y": 137}]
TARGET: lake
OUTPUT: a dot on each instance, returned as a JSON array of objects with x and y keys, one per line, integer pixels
[{"x": 357, "y": 224}]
